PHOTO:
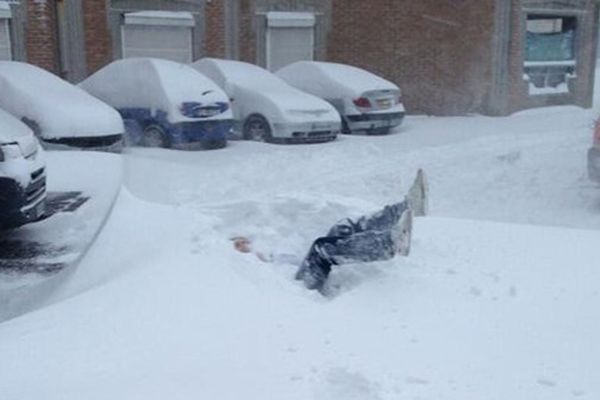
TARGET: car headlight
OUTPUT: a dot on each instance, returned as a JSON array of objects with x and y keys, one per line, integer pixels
[
  {"x": 199, "y": 110},
  {"x": 10, "y": 152}
]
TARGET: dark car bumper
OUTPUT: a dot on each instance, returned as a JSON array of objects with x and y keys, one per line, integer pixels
[
  {"x": 201, "y": 135},
  {"x": 110, "y": 143},
  {"x": 594, "y": 164},
  {"x": 19, "y": 206},
  {"x": 374, "y": 121}
]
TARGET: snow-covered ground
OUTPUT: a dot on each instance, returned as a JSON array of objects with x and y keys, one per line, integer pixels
[
  {"x": 498, "y": 300},
  {"x": 63, "y": 238}
]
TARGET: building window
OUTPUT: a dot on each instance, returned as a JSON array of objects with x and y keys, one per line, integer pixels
[
  {"x": 550, "y": 53},
  {"x": 158, "y": 34},
  {"x": 5, "y": 42},
  {"x": 290, "y": 38}
]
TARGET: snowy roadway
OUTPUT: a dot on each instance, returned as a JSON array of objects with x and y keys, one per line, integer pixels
[{"x": 498, "y": 300}]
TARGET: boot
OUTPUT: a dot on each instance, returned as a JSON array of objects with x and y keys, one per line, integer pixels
[
  {"x": 402, "y": 233},
  {"x": 418, "y": 194}
]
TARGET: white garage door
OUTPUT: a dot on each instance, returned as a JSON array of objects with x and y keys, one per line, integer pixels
[
  {"x": 5, "y": 53},
  {"x": 290, "y": 38},
  {"x": 160, "y": 34}
]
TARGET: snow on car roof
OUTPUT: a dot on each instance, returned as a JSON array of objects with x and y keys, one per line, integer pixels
[
  {"x": 252, "y": 78},
  {"x": 152, "y": 83},
  {"x": 334, "y": 78},
  {"x": 243, "y": 73},
  {"x": 59, "y": 108},
  {"x": 11, "y": 129}
]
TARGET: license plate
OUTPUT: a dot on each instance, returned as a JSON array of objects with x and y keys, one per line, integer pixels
[{"x": 384, "y": 103}]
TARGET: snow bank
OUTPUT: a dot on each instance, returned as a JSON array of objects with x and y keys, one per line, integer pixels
[
  {"x": 67, "y": 235},
  {"x": 60, "y": 109},
  {"x": 154, "y": 84},
  {"x": 485, "y": 312},
  {"x": 331, "y": 80}
]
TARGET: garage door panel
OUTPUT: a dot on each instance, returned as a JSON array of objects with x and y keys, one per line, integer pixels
[
  {"x": 288, "y": 45},
  {"x": 172, "y": 43}
]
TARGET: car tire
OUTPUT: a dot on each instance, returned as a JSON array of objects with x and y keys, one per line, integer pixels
[
  {"x": 379, "y": 131},
  {"x": 155, "y": 136},
  {"x": 256, "y": 127},
  {"x": 214, "y": 144},
  {"x": 345, "y": 128}
]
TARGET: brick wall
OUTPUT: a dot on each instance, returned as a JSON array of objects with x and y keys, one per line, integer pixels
[
  {"x": 437, "y": 51},
  {"x": 98, "y": 42},
  {"x": 214, "y": 43},
  {"x": 247, "y": 35},
  {"x": 41, "y": 42}
]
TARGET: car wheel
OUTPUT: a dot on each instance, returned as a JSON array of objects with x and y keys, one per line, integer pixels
[
  {"x": 154, "y": 136},
  {"x": 257, "y": 128},
  {"x": 379, "y": 131},
  {"x": 215, "y": 144},
  {"x": 345, "y": 128}
]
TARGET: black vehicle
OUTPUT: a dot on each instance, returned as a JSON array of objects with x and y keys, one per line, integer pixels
[{"x": 22, "y": 174}]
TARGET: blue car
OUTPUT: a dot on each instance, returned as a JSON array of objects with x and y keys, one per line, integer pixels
[{"x": 164, "y": 103}]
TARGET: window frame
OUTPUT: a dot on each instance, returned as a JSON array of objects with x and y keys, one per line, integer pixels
[{"x": 569, "y": 65}]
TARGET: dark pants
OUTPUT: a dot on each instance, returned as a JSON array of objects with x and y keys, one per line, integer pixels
[{"x": 363, "y": 240}]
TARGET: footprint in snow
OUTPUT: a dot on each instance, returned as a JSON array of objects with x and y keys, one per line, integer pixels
[
  {"x": 546, "y": 382},
  {"x": 413, "y": 380},
  {"x": 338, "y": 383}
]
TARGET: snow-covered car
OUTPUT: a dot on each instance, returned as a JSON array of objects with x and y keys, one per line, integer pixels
[
  {"x": 58, "y": 112},
  {"x": 365, "y": 101},
  {"x": 594, "y": 155},
  {"x": 164, "y": 103},
  {"x": 22, "y": 174},
  {"x": 268, "y": 109}
]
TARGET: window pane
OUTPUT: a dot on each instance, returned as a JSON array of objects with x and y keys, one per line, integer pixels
[{"x": 550, "y": 38}]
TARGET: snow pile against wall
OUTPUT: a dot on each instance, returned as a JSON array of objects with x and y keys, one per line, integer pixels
[{"x": 57, "y": 107}]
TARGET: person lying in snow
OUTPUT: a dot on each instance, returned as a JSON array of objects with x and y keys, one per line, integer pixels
[{"x": 376, "y": 237}]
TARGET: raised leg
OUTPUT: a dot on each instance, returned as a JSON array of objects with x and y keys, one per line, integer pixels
[
  {"x": 366, "y": 246},
  {"x": 379, "y": 221}
]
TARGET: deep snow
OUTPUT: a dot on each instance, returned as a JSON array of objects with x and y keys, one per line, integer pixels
[
  {"x": 497, "y": 301},
  {"x": 68, "y": 235}
]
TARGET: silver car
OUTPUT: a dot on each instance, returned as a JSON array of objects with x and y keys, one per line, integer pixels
[{"x": 366, "y": 102}]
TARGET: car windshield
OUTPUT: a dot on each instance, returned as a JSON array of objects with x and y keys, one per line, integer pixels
[{"x": 321, "y": 200}]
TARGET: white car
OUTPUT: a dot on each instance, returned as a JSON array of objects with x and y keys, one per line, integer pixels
[
  {"x": 58, "y": 112},
  {"x": 365, "y": 101},
  {"x": 164, "y": 103},
  {"x": 22, "y": 174},
  {"x": 267, "y": 108}
]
